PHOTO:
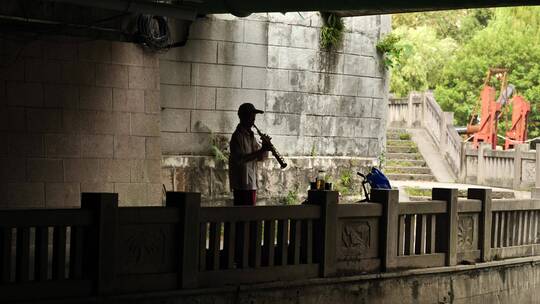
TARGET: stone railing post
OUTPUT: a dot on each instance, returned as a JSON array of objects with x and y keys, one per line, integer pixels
[
  {"x": 102, "y": 249},
  {"x": 463, "y": 163},
  {"x": 482, "y": 167},
  {"x": 447, "y": 224},
  {"x": 484, "y": 233},
  {"x": 389, "y": 226},
  {"x": 189, "y": 205},
  {"x": 535, "y": 194},
  {"x": 518, "y": 155},
  {"x": 327, "y": 232},
  {"x": 410, "y": 108}
]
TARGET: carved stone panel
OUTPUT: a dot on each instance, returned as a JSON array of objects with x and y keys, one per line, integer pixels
[
  {"x": 466, "y": 232},
  {"x": 147, "y": 249},
  {"x": 355, "y": 240}
]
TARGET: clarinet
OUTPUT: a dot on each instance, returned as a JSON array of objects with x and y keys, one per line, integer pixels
[{"x": 276, "y": 154}]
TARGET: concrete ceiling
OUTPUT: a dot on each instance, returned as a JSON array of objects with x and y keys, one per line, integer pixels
[{"x": 245, "y": 7}]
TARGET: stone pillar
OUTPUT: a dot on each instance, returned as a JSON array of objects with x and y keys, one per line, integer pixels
[
  {"x": 410, "y": 116},
  {"x": 535, "y": 194},
  {"x": 518, "y": 155},
  {"x": 481, "y": 173}
]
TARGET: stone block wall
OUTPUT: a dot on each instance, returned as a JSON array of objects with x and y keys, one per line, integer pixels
[
  {"x": 78, "y": 116},
  {"x": 317, "y": 103}
]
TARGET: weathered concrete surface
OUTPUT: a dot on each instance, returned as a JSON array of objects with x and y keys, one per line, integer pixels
[
  {"x": 439, "y": 166},
  {"x": 316, "y": 102},
  {"x": 210, "y": 177},
  {"x": 510, "y": 281}
]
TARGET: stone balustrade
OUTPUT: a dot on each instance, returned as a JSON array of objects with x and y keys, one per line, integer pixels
[{"x": 101, "y": 250}]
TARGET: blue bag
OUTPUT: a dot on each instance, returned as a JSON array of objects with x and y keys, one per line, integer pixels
[{"x": 377, "y": 180}]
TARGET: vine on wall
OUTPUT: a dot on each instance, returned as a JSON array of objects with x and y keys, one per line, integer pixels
[{"x": 331, "y": 31}]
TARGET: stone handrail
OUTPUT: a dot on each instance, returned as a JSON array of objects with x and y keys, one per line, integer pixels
[
  {"x": 515, "y": 169},
  {"x": 110, "y": 250},
  {"x": 421, "y": 110}
]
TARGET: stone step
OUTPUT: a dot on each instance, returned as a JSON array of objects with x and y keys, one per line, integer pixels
[
  {"x": 401, "y": 149},
  {"x": 405, "y": 163},
  {"x": 398, "y": 136},
  {"x": 407, "y": 170},
  {"x": 415, "y": 177},
  {"x": 404, "y": 156},
  {"x": 400, "y": 143}
]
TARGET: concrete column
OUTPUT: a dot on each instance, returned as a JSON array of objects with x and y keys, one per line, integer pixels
[{"x": 535, "y": 194}]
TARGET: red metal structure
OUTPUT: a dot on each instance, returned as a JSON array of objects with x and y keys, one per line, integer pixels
[
  {"x": 518, "y": 131},
  {"x": 485, "y": 130}
]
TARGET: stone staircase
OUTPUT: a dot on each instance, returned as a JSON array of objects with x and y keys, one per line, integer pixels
[{"x": 403, "y": 160}]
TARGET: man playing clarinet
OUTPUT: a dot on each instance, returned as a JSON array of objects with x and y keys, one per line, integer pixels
[{"x": 245, "y": 154}]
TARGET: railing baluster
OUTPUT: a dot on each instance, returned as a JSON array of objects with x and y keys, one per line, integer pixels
[
  {"x": 535, "y": 234},
  {"x": 269, "y": 242},
  {"x": 423, "y": 235},
  {"x": 59, "y": 253},
  {"x": 412, "y": 231},
  {"x": 508, "y": 242},
  {"x": 408, "y": 236},
  {"x": 256, "y": 240},
  {"x": 531, "y": 227},
  {"x": 6, "y": 235},
  {"x": 525, "y": 233},
  {"x": 76, "y": 254},
  {"x": 213, "y": 247},
  {"x": 502, "y": 230},
  {"x": 401, "y": 235},
  {"x": 307, "y": 245},
  {"x": 282, "y": 241},
  {"x": 495, "y": 230},
  {"x": 202, "y": 247},
  {"x": 245, "y": 244},
  {"x": 23, "y": 254},
  {"x": 229, "y": 244},
  {"x": 294, "y": 252},
  {"x": 519, "y": 228},
  {"x": 514, "y": 228},
  {"x": 433, "y": 225},
  {"x": 42, "y": 253}
]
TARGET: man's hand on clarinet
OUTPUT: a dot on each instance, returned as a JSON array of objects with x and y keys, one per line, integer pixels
[{"x": 266, "y": 143}]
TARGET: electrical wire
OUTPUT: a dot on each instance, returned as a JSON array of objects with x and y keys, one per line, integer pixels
[{"x": 154, "y": 32}]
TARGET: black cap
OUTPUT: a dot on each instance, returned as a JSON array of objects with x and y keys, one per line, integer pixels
[{"x": 247, "y": 108}]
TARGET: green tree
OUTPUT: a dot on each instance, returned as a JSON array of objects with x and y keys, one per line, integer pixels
[
  {"x": 421, "y": 63},
  {"x": 510, "y": 40}
]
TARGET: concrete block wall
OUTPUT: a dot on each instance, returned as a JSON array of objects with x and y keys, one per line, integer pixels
[
  {"x": 316, "y": 103},
  {"x": 330, "y": 103},
  {"x": 78, "y": 116}
]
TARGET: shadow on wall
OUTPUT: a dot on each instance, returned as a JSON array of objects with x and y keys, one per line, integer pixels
[{"x": 78, "y": 116}]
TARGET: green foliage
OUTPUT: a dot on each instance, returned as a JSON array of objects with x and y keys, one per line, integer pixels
[
  {"x": 391, "y": 49},
  {"x": 404, "y": 136},
  {"x": 219, "y": 148},
  {"x": 313, "y": 151},
  {"x": 331, "y": 31},
  {"x": 292, "y": 197},
  {"x": 421, "y": 61},
  {"x": 415, "y": 191},
  {"x": 451, "y": 51},
  {"x": 345, "y": 183},
  {"x": 510, "y": 40},
  {"x": 381, "y": 160}
]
